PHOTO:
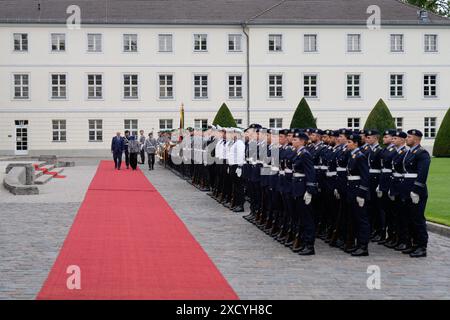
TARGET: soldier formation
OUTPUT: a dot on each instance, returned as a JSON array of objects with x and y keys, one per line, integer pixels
[{"x": 340, "y": 186}]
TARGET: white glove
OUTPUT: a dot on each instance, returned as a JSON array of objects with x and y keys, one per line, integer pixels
[
  {"x": 336, "y": 194},
  {"x": 307, "y": 198},
  {"x": 392, "y": 198},
  {"x": 415, "y": 198},
  {"x": 379, "y": 192},
  {"x": 228, "y": 170},
  {"x": 239, "y": 172},
  {"x": 360, "y": 201}
]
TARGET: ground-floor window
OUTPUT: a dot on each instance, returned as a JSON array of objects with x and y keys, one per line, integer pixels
[
  {"x": 95, "y": 130},
  {"x": 201, "y": 123},
  {"x": 132, "y": 126},
  {"x": 353, "y": 123},
  {"x": 430, "y": 127},
  {"x": 276, "y": 123},
  {"x": 59, "y": 130},
  {"x": 165, "y": 124},
  {"x": 399, "y": 123}
]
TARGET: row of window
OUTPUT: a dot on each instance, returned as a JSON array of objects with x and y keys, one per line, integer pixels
[
  {"x": 58, "y": 42},
  {"x": 59, "y": 127},
  {"x": 166, "y": 86}
]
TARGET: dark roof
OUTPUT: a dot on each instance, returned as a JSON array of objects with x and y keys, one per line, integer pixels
[{"x": 219, "y": 12}]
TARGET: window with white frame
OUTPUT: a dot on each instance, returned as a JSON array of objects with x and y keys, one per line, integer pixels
[
  {"x": 201, "y": 123},
  {"x": 396, "y": 85},
  {"x": 59, "y": 131},
  {"x": 94, "y": 42},
  {"x": 95, "y": 86},
  {"x": 130, "y": 43},
  {"x": 430, "y": 127},
  {"x": 276, "y": 123},
  {"x": 235, "y": 86},
  {"x": 275, "y": 86},
  {"x": 59, "y": 86},
  {"x": 131, "y": 125},
  {"x": 238, "y": 122},
  {"x": 397, "y": 43},
  {"x": 430, "y": 85},
  {"x": 310, "y": 42},
  {"x": 234, "y": 42},
  {"x": 21, "y": 42},
  {"x": 58, "y": 42},
  {"x": 200, "y": 42},
  {"x": 431, "y": 43},
  {"x": 353, "y": 86},
  {"x": 353, "y": 123},
  {"x": 166, "y": 86},
  {"x": 165, "y": 42},
  {"x": 165, "y": 124},
  {"x": 200, "y": 86},
  {"x": 95, "y": 130},
  {"x": 21, "y": 86},
  {"x": 353, "y": 43},
  {"x": 310, "y": 85},
  {"x": 130, "y": 86},
  {"x": 398, "y": 123},
  {"x": 275, "y": 42}
]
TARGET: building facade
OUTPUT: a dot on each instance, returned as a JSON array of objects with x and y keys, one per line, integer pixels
[{"x": 68, "y": 91}]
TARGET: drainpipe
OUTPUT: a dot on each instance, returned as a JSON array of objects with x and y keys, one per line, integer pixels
[{"x": 244, "y": 26}]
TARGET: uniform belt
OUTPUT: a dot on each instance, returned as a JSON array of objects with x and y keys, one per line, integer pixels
[
  {"x": 282, "y": 173},
  {"x": 340, "y": 169},
  {"x": 331, "y": 174},
  {"x": 259, "y": 162},
  {"x": 323, "y": 168},
  {"x": 375, "y": 171},
  {"x": 275, "y": 169},
  {"x": 299, "y": 175},
  {"x": 410, "y": 175},
  {"x": 317, "y": 167},
  {"x": 386, "y": 170},
  {"x": 266, "y": 165},
  {"x": 353, "y": 178},
  {"x": 397, "y": 175},
  {"x": 287, "y": 170}
]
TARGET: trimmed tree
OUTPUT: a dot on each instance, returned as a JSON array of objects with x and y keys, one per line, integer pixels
[
  {"x": 380, "y": 118},
  {"x": 224, "y": 118},
  {"x": 442, "y": 143},
  {"x": 303, "y": 117}
]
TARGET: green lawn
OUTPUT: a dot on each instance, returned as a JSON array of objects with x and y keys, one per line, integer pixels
[{"x": 438, "y": 205}]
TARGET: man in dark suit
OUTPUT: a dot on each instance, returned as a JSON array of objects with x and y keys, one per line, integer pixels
[{"x": 117, "y": 147}]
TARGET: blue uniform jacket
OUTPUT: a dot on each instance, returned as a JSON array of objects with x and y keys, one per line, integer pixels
[
  {"x": 117, "y": 145},
  {"x": 303, "y": 163},
  {"x": 417, "y": 161},
  {"x": 358, "y": 166}
]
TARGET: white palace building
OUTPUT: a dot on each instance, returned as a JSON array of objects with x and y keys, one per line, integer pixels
[{"x": 133, "y": 63}]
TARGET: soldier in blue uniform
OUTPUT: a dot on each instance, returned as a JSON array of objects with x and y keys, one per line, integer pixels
[
  {"x": 344, "y": 227},
  {"x": 387, "y": 155},
  {"x": 358, "y": 194},
  {"x": 317, "y": 149},
  {"x": 277, "y": 181},
  {"x": 416, "y": 166},
  {"x": 331, "y": 203},
  {"x": 376, "y": 212},
  {"x": 304, "y": 187},
  {"x": 400, "y": 242},
  {"x": 286, "y": 235}
]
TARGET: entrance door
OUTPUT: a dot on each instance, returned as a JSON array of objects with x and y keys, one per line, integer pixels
[{"x": 21, "y": 137}]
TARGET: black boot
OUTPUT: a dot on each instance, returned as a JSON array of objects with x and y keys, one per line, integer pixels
[
  {"x": 402, "y": 247},
  {"x": 307, "y": 251},
  {"x": 298, "y": 245},
  {"x": 409, "y": 250},
  {"x": 361, "y": 251},
  {"x": 420, "y": 252}
]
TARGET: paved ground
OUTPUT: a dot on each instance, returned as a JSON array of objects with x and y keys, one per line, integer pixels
[
  {"x": 257, "y": 267},
  {"x": 33, "y": 228}
]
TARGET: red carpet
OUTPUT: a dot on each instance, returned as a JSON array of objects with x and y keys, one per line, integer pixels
[{"x": 129, "y": 244}]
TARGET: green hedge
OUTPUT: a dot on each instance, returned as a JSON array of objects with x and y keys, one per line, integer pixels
[
  {"x": 442, "y": 142},
  {"x": 380, "y": 118},
  {"x": 303, "y": 117},
  {"x": 224, "y": 118}
]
